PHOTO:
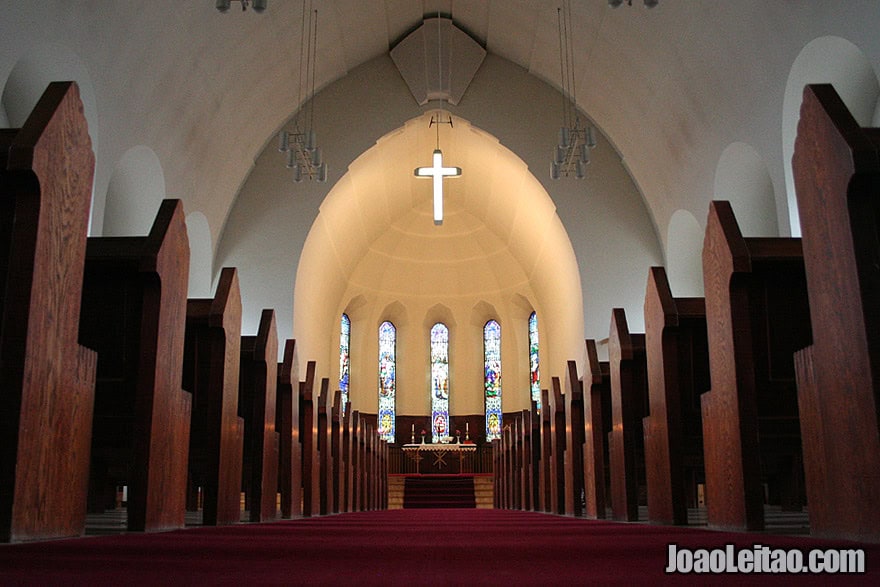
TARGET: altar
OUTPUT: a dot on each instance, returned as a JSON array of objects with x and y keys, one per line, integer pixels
[{"x": 439, "y": 459}]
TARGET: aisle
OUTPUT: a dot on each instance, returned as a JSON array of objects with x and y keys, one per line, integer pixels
[{"x": 418, "y": 547}]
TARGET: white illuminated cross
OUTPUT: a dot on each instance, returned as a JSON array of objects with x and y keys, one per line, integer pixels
[{"x": 438, "y": 172}]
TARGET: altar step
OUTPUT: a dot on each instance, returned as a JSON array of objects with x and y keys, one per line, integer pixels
[
  {"x": 484, "y": 491},
  {"x": 439, "y": 491}
]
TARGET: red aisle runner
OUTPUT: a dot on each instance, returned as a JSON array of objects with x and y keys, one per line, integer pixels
[{"x": 402, "y": 547}]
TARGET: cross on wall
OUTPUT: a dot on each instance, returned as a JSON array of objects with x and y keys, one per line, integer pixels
[{"x": 438, "y": 172}]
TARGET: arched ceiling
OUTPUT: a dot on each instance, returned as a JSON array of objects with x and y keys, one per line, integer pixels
[
  {"x": 375, "y": 236},
  {"x": 670, "y": 87}
]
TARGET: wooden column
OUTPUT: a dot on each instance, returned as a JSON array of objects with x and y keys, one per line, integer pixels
[
  {"x": 629, "y": 390},
  {"x": 211, "y": 364},
  {"x": 837, "y": 176},
  {"x": 678, "y": 372},
  {"x": 597, "y": 399},
  {"x": 46, "y": 378},
  {"x": 757, "y": 315},
  {"x": 574, "y": 441},
  {"x": 134, "y": 314},
  {"x": 287, "y": 425}
]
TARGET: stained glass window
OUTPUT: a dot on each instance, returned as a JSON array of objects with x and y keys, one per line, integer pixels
[
  {"x": 344, "y": 359},
  {"x": 535, "y": 379},
  {"x": 492, "y": 378},
  {"x": 387, "y": 379},
  {"x": 439, "y": 381}
]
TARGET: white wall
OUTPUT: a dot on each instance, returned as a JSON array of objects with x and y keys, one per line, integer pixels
[{"x": 606, "y": 225}]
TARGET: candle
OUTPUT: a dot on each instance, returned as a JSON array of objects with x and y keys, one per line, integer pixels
[{"x": 466, "y": 427}]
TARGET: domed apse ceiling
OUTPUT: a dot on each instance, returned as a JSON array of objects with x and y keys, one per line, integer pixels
[{"x": 500, "y": 242}]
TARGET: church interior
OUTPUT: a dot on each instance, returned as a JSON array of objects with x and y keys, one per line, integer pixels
[{"x": 583, "y": 272}]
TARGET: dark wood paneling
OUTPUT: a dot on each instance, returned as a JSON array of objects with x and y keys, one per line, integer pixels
[
  {"x": 756, "y": 314},
  {"x": 629, "y": 391},
  {"x": 134, "y": 314},
  {"x": 287, "y": 425},
  {"x": 837, "y": 176},
  {"x": 211, "y": 367},
  {"x": 597, "y": 391},
  {"x": 678, "y": 372},
  {"x": 46, "y": 379},
  {"x": 309, "y": 437},
  {"x": 574, "y": 431},
  {"x": 257, "y": 404}
]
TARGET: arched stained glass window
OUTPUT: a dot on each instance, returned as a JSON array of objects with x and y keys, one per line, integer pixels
[
  {"x": 387, "y": 379},
  {"x": 535, "y": 378},
  {"x": 439, "y": 381},
  {"x": 344, "y": 359},
  {"x": 492, "y": 378}
]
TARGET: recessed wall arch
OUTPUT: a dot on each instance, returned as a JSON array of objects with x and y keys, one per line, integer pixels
[
  {"x": 134, "y": 193},
  {"x": 684, "y": 251},
  {"x": 29, "y": 78},
  {"x": 742, "y": 178},
  {"x": 199, "y": 234},
  {"x": 831, "y": 60}
]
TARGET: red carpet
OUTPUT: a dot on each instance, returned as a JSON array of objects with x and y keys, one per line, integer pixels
[{"x": 421, "y": 547}]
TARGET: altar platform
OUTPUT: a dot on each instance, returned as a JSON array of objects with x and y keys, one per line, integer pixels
[{"x": 438, "y": 459}]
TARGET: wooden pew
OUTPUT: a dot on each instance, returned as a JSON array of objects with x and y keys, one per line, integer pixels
[
  {"x": 574, "y": 441},
  {"x": 134, "y": 314},
  {"x": 367, "y": 460},
  {"x": 336, "y": 452},
  {"x": 527, "y": 466},
  {"x": 46, "y": 378},
  {"x": 757, "y": 315},
  {"x": 382, "y": 473},
  {"x": 287, "y": 425},
  {"x": 308, "y": 433},
  {"x": 507, "y": 435},
  {"x": 558, "y": 447},
  {"x": 381, "y": 445},
  {"x": 354, "y": 493},
  {"x": 629, "y": 391},
  {"x": 345, "y": 469},
  {"x": 546, "y": 472},
  {"x": 837, "y": 176},
  {"x": 325, "y": 441},
  {"x": 535, "y": 457},
  {"x": 210, "y": 373},
  {"x": 356, "y": 464},
  {"x": 257, "y": 406},
  {"x": 678, "y": 372},
  {"x": 597, "y": 401},
  {"x": 497, "y": 473},
  {"x": 515, "y": 459}
]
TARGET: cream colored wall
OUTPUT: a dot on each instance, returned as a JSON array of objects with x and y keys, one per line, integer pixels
[{"x": 569, "y": 249}]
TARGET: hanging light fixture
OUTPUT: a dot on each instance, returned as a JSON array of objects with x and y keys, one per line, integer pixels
[
  {"x": 257, "y": 5},
  {"x": 304, "y": 155},
  {"x": 437, "y": 171},
  {"x": 616, "y": 3},
  {"x": 571, "y": 155}
]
